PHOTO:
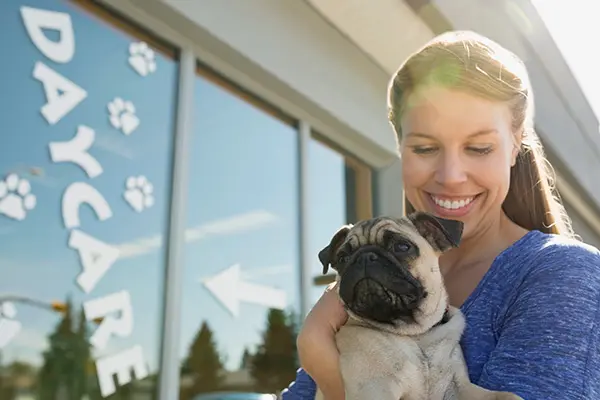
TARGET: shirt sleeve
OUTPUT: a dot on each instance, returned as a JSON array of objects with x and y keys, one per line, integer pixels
[
  {"x": 303, "y": 388},
  {"x": 548, "y": 341}
]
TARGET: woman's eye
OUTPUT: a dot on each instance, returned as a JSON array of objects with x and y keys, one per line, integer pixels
[
  {"x": 401, "y": 247},
  {"x": 424, "y": 149},
  {"x": 480, "y": 150}
]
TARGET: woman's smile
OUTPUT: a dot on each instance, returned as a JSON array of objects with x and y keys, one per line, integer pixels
[{"x": 451, "y": 206}]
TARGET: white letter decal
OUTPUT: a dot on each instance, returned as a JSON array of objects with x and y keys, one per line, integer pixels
[
  {"x": 96, "y": 258},
  {"x": 75, "y": 151},
  {"x": 36, "y": 20},
  {"x": 123, "y": 326},
  {"x": 62, "y": 95},
  {"x": 121, "y": 365},
  {"x": 79, "y": 193}
]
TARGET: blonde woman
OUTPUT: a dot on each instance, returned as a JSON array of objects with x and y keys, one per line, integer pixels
[{"x": 462, "y": 110}]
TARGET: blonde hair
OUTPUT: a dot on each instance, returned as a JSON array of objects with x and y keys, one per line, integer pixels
[{"x": 466, "y": 61}]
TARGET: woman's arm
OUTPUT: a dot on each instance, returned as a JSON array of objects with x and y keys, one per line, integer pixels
[
  {"x": 318, "y": 352},
  {"x": 548, "y": 344}
]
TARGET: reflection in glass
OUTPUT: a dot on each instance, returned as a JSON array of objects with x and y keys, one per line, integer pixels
[
  {"x": 71, "y": 271},
  {"x": 327, "y": 209},
  {"x": 340, "y": 193},
  {"x": 241, "y": 285}
]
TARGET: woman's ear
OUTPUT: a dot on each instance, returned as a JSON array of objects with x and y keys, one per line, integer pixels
[
  {"x": 517, "y": 148},
  {"x": 515, "y": 154}
]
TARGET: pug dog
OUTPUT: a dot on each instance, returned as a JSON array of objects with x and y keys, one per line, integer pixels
[{"x": 402, "y": 337}]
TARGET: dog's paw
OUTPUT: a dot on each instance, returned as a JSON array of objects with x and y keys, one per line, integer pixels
[
  {"x": 138, "y": 193},
  {"x": 16, "y": 199},
  {"x": 122, "y": 115},
  {"x": 141, "y": 58}
]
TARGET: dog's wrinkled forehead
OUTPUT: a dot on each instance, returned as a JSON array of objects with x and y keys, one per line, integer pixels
[
  {"x": 377, "y": 231},
  {"x": 420, "y": 227}
]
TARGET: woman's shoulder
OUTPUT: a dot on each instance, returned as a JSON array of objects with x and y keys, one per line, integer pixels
[
  {"x": 549, "y": 269},
  {"x": 545, "y": 336},
  {"x": 539, "y": 252}
]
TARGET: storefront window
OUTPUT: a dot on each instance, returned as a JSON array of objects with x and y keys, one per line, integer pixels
[
  {"x": 87, "y": 115},
  {"x": 340, "y": 193},
  {"x": 241, "y": 280}
]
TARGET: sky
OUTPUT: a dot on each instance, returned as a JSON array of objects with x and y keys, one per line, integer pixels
[{"x": 242, "y": 194}]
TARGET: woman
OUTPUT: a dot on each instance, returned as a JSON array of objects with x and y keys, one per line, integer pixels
[{"x": 462, "y": 109}]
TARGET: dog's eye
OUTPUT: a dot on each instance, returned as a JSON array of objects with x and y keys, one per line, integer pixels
[
  {"x": 401, "y": 247},
  {"x": 344, "y": 259}
]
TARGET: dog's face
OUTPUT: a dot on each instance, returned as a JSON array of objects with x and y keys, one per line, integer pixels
[{"x": 388, "y": 270}]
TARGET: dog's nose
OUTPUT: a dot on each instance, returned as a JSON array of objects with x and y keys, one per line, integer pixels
[{"x": 367, "y": 257}]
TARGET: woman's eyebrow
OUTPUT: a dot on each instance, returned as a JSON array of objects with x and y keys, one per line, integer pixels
[
  {"x": 472, "y": 135},
  {"x": 483, "y": 132},
  {"x": 418, "y": 135}
]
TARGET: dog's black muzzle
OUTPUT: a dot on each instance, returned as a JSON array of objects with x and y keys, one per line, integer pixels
[{"x": 376, "y": 286}]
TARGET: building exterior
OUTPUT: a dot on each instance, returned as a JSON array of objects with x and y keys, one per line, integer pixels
[{"x": 171, "y": 168}]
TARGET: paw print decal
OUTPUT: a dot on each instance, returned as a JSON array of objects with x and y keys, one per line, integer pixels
[
  {"x": 16, "y": 199},
  {"x": 122, "y": 115},
  {"x": 138, "y": 193},
  {"x": 9, "y": 327},
  {"x": 141, "y": 58}
]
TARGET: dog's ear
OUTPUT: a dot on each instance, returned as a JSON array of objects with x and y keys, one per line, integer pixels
[
  {"x": 442, "y": 234},
  {"x": 328, "y": 252}
]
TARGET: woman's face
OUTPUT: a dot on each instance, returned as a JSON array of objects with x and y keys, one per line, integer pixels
[{"x": 457, "y": 151}]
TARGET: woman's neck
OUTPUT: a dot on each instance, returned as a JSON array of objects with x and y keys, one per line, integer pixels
[{"x": 483, "y": 245}]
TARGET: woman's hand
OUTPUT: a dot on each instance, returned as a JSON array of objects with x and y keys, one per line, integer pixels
[{"x": 316, "y": 344}]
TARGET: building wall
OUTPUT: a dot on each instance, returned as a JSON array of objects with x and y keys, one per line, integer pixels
[{"x": 582, "y": 227}]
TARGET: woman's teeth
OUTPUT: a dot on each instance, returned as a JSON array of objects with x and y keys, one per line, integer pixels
[{"x": 452, "y": 204}]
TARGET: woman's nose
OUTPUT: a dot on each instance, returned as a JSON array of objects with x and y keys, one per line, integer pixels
[{"x": 450, "y": 170}]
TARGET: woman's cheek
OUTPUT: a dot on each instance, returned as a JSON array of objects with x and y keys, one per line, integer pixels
[{"x": 415, "y": 168}]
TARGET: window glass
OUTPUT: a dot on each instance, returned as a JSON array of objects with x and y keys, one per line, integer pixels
[
  {"x": 339, "y": 193},
  {"x": 241, "y": 282},
  {"x": 327, "y": 203},
  {"x": 87, "y": 116}
]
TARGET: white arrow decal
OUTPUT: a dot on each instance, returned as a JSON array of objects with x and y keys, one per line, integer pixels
[{"x": 228, "y": 288}]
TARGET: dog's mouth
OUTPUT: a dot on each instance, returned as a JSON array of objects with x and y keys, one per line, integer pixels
[
  {"x": 373, "y": 301},
  {"x": 379, "y": 290}
]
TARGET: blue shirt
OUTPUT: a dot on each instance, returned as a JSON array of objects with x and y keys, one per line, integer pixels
[{"x": 533, "y": 323}]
